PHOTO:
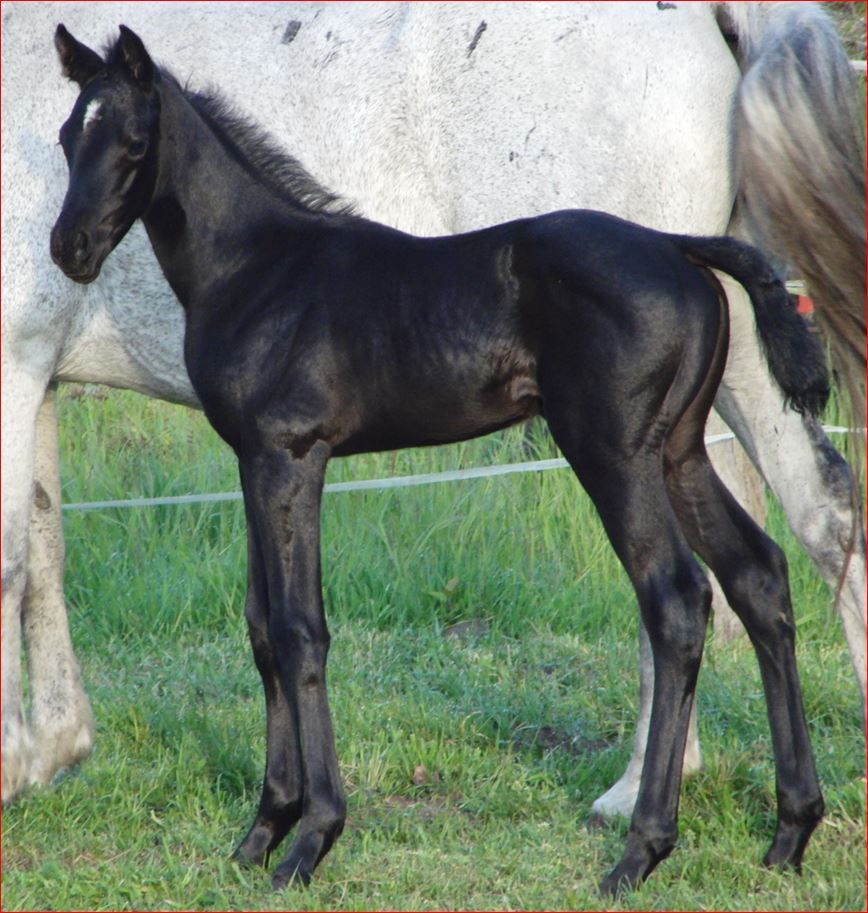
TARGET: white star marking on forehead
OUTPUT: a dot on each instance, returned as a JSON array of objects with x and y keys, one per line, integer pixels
[{"x": 91, "y": 113}]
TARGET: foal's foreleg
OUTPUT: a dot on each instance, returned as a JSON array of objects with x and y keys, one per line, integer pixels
[
  {"x": 752, "y": 571},
  {"x": 283, "y": 498},
  {"x": 281, "y": 801}
]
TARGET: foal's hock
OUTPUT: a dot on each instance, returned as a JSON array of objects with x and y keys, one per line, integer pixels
[{"x": 312, "y": 332}]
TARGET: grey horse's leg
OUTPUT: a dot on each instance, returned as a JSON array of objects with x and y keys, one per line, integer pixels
[{"x": 60, "y": 713}]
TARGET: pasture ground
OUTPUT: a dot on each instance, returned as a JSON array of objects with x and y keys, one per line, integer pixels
[{"x": 470, "y": 754}]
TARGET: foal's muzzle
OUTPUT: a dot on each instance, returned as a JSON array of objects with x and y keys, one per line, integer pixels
[{"x": 73, "y": 250}]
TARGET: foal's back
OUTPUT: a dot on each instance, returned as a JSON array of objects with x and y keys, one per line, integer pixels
[{"x": 374, "y": 339}]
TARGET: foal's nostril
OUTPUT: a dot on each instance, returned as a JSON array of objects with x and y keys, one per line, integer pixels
[
  {"x": 82, "y": 246},
  {"x": 71, "y": 249}
]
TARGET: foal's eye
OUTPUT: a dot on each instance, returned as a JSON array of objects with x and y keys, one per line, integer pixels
[{"x": 137, "y": 149}]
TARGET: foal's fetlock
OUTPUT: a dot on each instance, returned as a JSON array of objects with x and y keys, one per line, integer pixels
[{"x": 279, "y": 811}]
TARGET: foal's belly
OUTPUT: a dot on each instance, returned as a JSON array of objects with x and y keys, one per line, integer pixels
[{"x": 413, "y": 417}]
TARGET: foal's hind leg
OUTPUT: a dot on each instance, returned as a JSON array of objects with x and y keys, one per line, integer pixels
[
  {"x": 753, "y": 573},
  {"x": 620, "y": 798},
  {"x": 742, "y": 479},
  {"x": 674, "y": 597}
]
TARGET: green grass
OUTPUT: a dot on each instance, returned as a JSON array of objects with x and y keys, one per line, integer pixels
[
  {"x": 470, "y": 762},
  {"x": 849, "y": 17}
]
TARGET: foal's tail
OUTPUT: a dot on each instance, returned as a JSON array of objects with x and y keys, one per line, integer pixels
[
  {"x": 800, "y": 160},
  {"x": 795, "y": 356}
]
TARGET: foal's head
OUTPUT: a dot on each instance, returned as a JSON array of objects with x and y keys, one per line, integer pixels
[{"x": 109, "y": 141}]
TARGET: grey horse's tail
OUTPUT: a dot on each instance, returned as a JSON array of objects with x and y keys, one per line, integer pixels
[
  {"x": 795, "y": 356},
  {"x": 800, "y": 163}
]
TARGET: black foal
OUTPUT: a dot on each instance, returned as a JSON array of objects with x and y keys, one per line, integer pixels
[{"x": 314, "y": 333}]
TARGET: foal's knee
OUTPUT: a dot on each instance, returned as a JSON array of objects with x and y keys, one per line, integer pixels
[{"x": 302, "y": 645}]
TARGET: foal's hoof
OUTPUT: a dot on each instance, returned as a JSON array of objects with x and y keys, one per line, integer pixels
[
  {"x": 640, "y": 858},
  {"x": 290, "y": 873},
  {"x": 297, "y": 868},
  {"x": 249, "y": 861},
  {"x": 786, "y": 851},
  {"x": 616, "y": 884},
  {"x": 792, "y": 837},
  {"x": 254, "y": 848}
]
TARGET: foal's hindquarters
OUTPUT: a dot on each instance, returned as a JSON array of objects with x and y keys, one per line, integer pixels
[{"x": 644, "y": 464}]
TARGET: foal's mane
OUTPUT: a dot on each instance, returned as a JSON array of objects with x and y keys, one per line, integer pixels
[{"x": 252, "y": 147}]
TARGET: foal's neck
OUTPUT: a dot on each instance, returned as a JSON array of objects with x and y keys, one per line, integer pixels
[{"x": 207, "y": 210}]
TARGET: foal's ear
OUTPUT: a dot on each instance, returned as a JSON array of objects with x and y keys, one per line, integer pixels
[
  {"x": 78, "y": 61},
  {"x": 135, "y": 58}
]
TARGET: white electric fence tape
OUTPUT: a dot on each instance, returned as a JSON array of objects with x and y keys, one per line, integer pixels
[{"x": 428, "y": 478}]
